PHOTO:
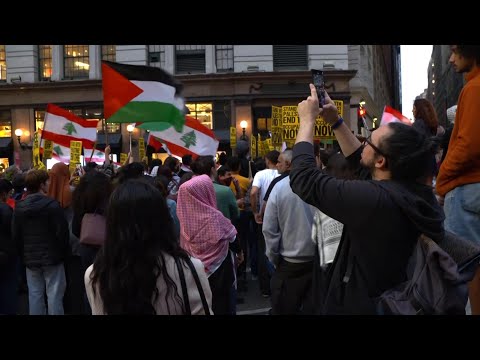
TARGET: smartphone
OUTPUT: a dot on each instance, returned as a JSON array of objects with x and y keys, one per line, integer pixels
[{"x": 319, "y": 83}]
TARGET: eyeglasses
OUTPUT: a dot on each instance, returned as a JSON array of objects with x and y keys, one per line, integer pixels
[{"x": 367, "y": 141}]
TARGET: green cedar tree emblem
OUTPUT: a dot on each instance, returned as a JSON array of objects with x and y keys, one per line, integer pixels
[
  {"x": 58, "y": 150},
  {"x": 189, "y": 139},
  {"x": 70, "y": 128}
]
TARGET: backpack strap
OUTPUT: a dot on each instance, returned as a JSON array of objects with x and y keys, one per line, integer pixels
[
  {"x": 206, "y": 309},
  {"x": 186, "y": 300}
]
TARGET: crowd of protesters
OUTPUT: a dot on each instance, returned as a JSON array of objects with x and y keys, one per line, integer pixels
[{"x": 323, "y": 231}]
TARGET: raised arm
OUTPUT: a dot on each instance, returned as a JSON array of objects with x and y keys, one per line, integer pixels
[{"x": 308, "y": 110}]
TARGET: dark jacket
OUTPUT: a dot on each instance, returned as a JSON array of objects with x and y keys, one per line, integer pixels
[
  {"x": 40, "y": 231},
  {"x": 382, "y": 221},
  {"x": 422, "y": 127},
  {"x": 7, "y": 246}
]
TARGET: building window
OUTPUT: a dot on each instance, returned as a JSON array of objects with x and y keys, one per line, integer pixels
[
  {"x": 3, "y": 64},
  {"x": 45, "y": 62},
  {"x": 156, "y": 55},
  {"x": 189, "y": 59},
  {"x": 109, "y": 53},
  {"x": 5, "y": 123},
  {"x": 290, "y": 57},
  {"x": 39, "y": 119},
  {"x": 76, "y": 61},
  {"x": 202, "y": 112},
  {"x": 224, "y": 58}
]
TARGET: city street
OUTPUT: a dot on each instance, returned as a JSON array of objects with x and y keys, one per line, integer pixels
[{"x": 251, "y": 302}]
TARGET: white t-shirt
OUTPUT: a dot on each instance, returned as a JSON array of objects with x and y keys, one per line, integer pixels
[{"x": 262, "y": 180}]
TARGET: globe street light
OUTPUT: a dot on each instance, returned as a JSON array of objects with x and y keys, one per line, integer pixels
[
  {"x": 243, "y": 125},
  {"x": 130, "y": 128}
]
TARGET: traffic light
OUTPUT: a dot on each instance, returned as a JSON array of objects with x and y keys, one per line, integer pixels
[{"x": 361, "y": 113}]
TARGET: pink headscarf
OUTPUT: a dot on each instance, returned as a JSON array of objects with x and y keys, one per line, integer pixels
[{"x": 204, "y": 231}]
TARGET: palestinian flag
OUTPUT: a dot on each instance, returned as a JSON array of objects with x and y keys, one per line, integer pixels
[
  {"x": 195, "y": 139},
  {"x": 391, "y": 115},
  {"x": 61, "y": 126},
  {"x": 141, "y": 94},
  {"x": 154, "y": 142}
]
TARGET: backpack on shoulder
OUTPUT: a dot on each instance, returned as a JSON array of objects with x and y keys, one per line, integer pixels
[{"x": 439, "y": 283}]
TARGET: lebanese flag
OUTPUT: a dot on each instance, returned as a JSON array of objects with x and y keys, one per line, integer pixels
[
  {"x": 61, "y": 126},
  {"x": 195, "y": 139},
  {"x": 391, "y": 115},
  {"x": 144, "y": 94},
  {"x": 61, "y": 153}
]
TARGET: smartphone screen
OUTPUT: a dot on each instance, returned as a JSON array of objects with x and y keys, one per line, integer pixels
[{"x": 318, "y": 81}]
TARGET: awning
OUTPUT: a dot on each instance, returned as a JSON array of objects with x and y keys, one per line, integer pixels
[
  {"x": 113, "y": 139},
  {"x": 5, "y": 141}
]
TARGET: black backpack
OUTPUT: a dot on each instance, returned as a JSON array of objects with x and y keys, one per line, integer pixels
[{"x": 438, "y": 285}]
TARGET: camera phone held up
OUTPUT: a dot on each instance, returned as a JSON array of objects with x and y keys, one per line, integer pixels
[{"x": 318, "y": 81}]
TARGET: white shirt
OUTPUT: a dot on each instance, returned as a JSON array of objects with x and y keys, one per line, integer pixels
[{"x": 262, "y": 181}]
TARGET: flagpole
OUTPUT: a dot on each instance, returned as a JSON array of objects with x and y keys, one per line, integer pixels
[
  {"x": 94, "y": 145},
  {"x": 104, "y": 125}
]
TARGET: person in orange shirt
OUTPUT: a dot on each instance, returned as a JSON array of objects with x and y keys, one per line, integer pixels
[{"x": 458, "y": 180}]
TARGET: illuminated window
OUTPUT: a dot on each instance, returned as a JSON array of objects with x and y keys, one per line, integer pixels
[
  {"x": 156, "y": 55},
  {"x": 3, "y": 63},
  {"x": 45, "y": 62},
  {"x": 202, "y": 112},
  {"x": 5, "y": 123},
  {"x": 108, "y": 53},
  {"x": 264, "y": 124},
  {"x": 224, "y": 58},
  {"x": 76, "y": 61}
]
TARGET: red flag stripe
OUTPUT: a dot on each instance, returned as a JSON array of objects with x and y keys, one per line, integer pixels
[
  {"x": 179, "y": 150},
  {"x": 396, "y": 113},
  {"x": 64, "y": 140},
  {"x": 197, "y": 125},
  {"x": 56, "y": 110}
]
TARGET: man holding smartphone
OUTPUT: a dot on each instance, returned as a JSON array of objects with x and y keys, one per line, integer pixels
[{"x": 382, "y": 216}]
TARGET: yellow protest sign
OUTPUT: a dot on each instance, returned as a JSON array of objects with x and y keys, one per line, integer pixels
[
  {"x": 233, "y": 137},
  {"x": 37, "y": 164},
  {"x": 269, "y": 144},
  {"x": 253, "y": 147},
  {"x": 259, "y": 146},
  {"x": 47, "y": 149},
  {"x": 339, "y": 105},
  {"x": 290, "y": 122},
  {"x": 323, "y": 131},
  {"x": 141, "y": 148},
  {"x": 276, "y": 129},
  {"x": 75, "y": 152},
  {"x": 123, "y": 158}
]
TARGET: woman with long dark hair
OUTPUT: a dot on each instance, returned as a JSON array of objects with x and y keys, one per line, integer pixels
[
  {"x": 90, "y": 196},
  {"x": 136, "y": 271},
  {"x": 426, "y": 120}
]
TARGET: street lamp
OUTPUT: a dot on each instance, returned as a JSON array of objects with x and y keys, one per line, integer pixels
[
  {"x": 19, "y": 133},
  {"x": 243, "y": 125},
  {"x": 130, "y": 128}
]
